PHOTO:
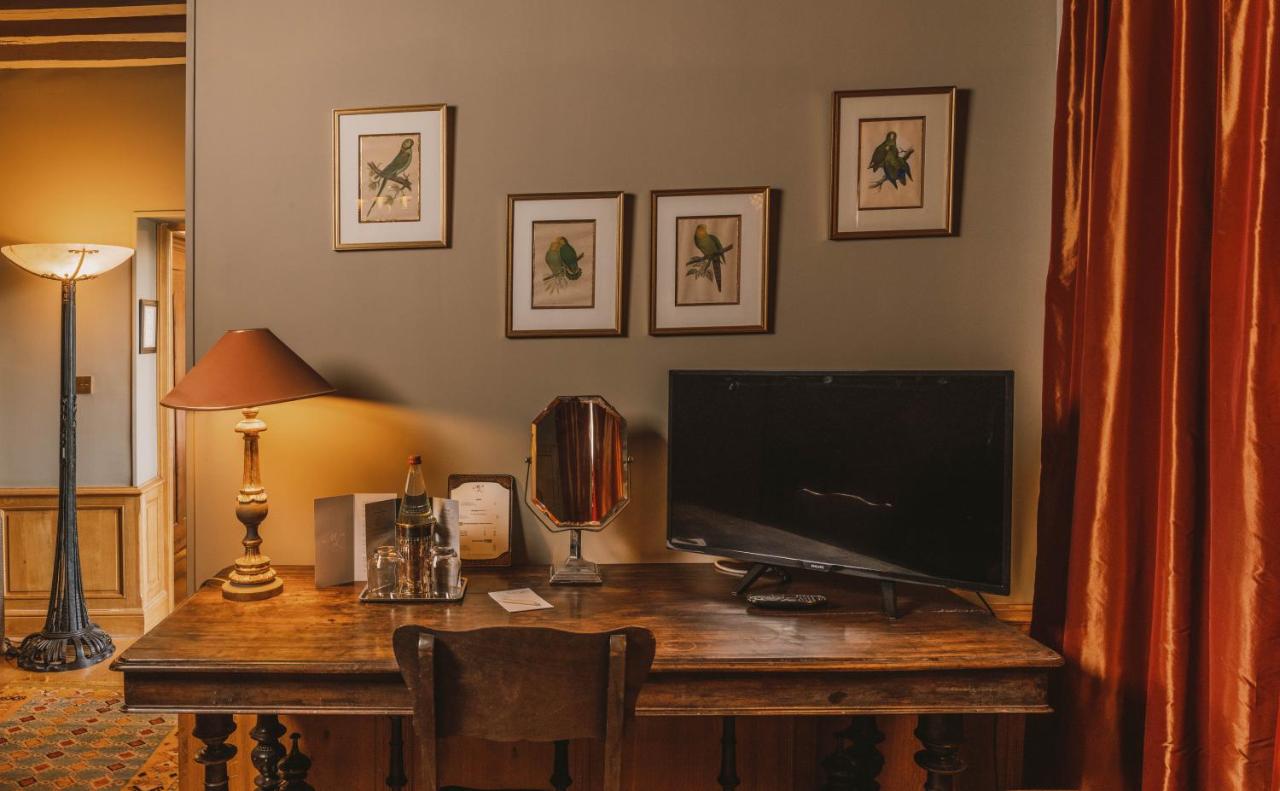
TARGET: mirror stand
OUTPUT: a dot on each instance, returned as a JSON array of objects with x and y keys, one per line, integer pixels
[
  {"x": 578, "y": 476},
  {"x": 575, "y": 570}
]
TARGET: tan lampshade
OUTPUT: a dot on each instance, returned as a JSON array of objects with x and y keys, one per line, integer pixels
[
  {"x": 67, "y": 260},
  {"x": 246, "y": 368}
]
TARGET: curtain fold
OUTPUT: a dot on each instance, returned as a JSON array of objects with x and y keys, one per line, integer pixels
[{"x": 1159, "y": 517}]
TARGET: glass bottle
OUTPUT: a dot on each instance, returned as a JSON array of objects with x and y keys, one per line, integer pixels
[{"x": 415, "y": 523}]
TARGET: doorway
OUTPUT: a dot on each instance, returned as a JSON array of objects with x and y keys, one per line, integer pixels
[{"x": 174, "y": 429}]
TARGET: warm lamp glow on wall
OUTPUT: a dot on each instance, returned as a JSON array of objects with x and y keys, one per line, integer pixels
[
  {"x": 245, "y": 370},
  {"x": 69, "y": 639}
]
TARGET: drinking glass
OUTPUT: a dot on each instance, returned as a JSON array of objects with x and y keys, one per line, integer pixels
[
  {"x": 445, "y": 571},
  {"x": 384, "y": 572}
]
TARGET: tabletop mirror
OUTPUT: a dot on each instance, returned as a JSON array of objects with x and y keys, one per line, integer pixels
[{"x": 580, "y": 475}]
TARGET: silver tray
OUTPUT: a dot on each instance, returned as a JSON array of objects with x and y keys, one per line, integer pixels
[{"x": 462, "y": 591}]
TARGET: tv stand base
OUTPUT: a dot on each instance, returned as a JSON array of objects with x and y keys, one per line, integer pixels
[
  {"x": 754, "y": 573},
  {"x": 889, "y": 598},
  {"x": 888, "y": 588}
]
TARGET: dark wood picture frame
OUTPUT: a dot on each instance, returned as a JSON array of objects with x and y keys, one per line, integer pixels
[
  {"x": 143, "y": 305},
  {"x": 508, "y": 482},
  {"x": 768, "y": 199},
  {"x": 949, "y": 226}
]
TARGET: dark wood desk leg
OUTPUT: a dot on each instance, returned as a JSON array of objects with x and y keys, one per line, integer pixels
[
  {"x": 268, "y": 752},
  {"x": 213, "y": 730},
  {"x": 294, "y": 768},
  {"x": 560, "y": 779},
  {"x": 728, "y": 778},
  {"x": 856, "y": 767},
  {"x": 942, "y": 736},
  {"x": 395, "y": 766}
]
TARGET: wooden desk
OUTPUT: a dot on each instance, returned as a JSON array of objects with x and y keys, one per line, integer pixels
[{"x": 313, "y": 651}]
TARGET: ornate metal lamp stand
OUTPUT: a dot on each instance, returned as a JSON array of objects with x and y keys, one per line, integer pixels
[{"x": 69, "y": 639}]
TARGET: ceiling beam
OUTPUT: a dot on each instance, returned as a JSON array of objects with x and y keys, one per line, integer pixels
[
  {"x": 20, "y": 41},
  {"x": 63, "y": 27},
  {"x": 120, "y": 63},
  {"x": 82, "y": 10},
  {"x": 92, "y": 50}
]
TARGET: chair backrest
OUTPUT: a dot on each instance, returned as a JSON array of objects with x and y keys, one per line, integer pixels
[{"x": 522, "y": 684}]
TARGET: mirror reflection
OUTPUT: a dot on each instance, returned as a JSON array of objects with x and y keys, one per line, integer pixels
[{"x": 579, "y": 453}]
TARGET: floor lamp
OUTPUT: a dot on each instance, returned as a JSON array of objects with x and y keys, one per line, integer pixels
[{"x": 69, "y": 639}]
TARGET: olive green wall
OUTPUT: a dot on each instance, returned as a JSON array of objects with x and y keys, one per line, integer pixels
[
  {"x": 80, "y": 151},
  {"x": 587, "y": 95}
]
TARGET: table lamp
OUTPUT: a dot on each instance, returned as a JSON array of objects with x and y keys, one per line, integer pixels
[
  {"x": 69, "y": 639},
  {"x": 245, "y": 370}
]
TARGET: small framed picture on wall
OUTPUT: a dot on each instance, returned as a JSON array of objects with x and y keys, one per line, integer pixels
[
  {"x": 148, "y": 325},
  {"x": 564, "y": 264},
  {"x": 892, "y": 159},
  {"x": 391, "y": 177},
  {"x": 709, "y": 261}
]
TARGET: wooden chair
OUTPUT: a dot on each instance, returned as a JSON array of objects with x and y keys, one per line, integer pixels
[{"x": 523, "y": 684}]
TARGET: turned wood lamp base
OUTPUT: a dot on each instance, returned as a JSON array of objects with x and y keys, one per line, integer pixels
[
  {"x": 234, "y": 592},
  {"x": 252, "y": 579}
]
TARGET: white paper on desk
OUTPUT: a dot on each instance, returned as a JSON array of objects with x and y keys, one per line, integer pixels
[{"x": 519, "y": 600}]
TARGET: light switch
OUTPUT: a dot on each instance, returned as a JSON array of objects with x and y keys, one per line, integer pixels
[{"x": 84, "y": 385}]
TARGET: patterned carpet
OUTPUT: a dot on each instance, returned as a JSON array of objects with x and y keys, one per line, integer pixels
[{"x": 70, "y": 737}]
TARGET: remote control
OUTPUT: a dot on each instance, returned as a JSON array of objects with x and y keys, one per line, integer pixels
[{"x": 787, "y": 601}]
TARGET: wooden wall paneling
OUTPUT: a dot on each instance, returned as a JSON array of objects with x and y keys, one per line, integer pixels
[
  {"x": 30, "y": 544},
  {"x": 155, "y": 554},
  {"x": 119, "y": 532}
]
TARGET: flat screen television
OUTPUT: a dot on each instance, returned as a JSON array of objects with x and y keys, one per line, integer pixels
[{"x": 896, "y": 475}]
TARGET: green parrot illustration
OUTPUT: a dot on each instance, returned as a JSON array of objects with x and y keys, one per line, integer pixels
[
  {"x": 562, "y": 260},
  {"x": 392, "y": 172},
  {"x": 891, "y": 162},
  {"x": 712, "y": 255}
]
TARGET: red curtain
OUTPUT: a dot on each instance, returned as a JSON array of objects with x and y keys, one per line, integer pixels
[{"x": 1158, "y": 575}]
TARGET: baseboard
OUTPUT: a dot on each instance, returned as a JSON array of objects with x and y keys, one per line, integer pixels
[
  {"x": 28, "y": 621},
  {"x": 19, "y": 625}
]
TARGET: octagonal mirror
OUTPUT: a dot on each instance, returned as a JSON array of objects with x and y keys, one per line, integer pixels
[{"x": 579, "y": 475}]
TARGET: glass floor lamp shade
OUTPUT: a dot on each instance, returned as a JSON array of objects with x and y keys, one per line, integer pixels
[
  {"x": 245, "y": 370},
  {"x": 69, "y": 640}
]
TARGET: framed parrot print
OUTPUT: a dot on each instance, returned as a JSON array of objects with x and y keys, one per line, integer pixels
[
  {"x": 564, "y": 264},
  {"x": 709, "y": 261},
  {"x": 390, "y": 177},
  {"x": 892, "y": 160}
]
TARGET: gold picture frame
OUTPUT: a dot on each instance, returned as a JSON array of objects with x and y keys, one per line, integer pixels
[
  {"x": 603, "y": 314},
  {"x": 748, "y": 309},
  {"x": 430, "y": 231},
  {"x": 927, "y": 205}
]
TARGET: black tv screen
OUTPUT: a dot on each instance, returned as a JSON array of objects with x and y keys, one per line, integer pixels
[{"x": 895, "y": 475}]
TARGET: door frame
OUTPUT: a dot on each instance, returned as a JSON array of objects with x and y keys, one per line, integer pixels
[{"x": 167, "y": 225}]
